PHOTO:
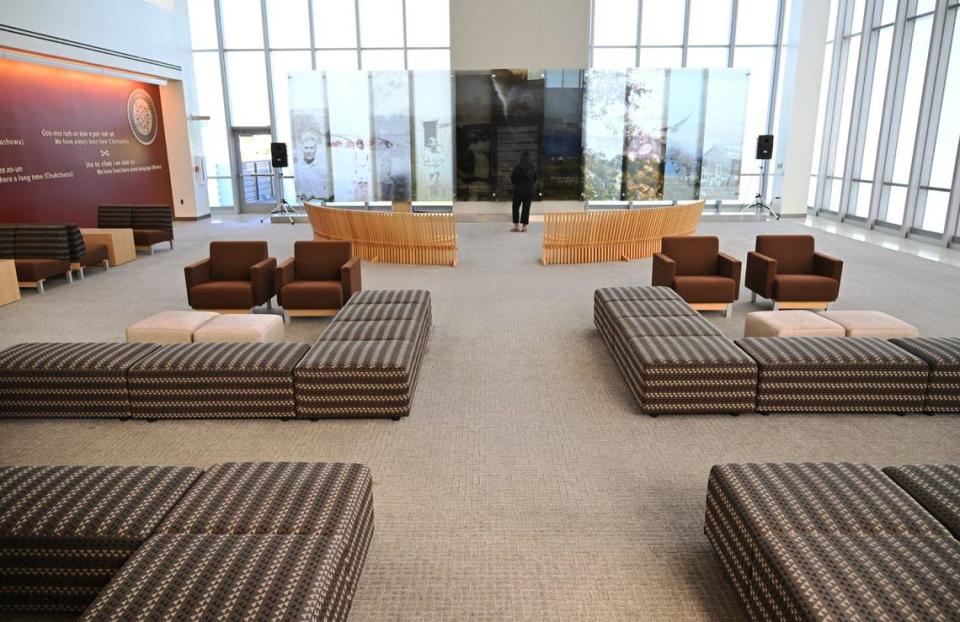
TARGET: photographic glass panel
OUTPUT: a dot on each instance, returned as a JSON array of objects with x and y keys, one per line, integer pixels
[
  {"x": 604, "y": 104},
  {"x": 685, "y": 107},
  {"x": 348, "y": 104},
  {"x": 311, "y": 140},
  {"x": 562, "y": 153},
  {"x": 723, "y": 134},
  {"x": 644, "y": 134},
  {"x": 433, "y": 135},
  {"x": 391, "y": 135}
]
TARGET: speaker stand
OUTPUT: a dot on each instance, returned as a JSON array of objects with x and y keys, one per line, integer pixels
[
  {"x": 283, "y": 208},
  {"x": 759, "y": 205}
]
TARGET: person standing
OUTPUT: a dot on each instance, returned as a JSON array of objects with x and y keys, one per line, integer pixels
[{"x": 523, "y": 178}]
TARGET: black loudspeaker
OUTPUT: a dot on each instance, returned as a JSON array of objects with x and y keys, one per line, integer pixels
[
  {"x": 278, "y": 154},
  {"x": 764, "y": 146}
]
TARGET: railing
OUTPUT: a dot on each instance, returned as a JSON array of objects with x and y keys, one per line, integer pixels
[
  {"x": 394, "y": 237},
  {"x": 614, "y": 235}
]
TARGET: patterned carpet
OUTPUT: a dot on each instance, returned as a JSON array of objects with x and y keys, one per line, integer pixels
[{"x": 525, "y": 485}]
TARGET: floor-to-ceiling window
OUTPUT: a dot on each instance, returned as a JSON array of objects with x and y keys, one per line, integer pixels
[
  {"x": 256, "y": 44},
  {"x": 745, "y": 34},
  {"x": 888, "y": 135}
]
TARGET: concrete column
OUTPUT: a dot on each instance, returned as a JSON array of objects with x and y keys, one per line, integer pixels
[{"x": 799, "y": 98}]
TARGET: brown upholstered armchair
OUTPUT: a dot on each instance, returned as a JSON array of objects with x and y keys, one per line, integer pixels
[
  {"x": 319, "y": 279},
  {"x": 787, "y": 270},
  {"x": 694, "y": 267},
  {"x": 237, "y": 277}
]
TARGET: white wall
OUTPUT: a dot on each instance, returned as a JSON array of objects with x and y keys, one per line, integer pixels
[
  {"x": 150, "y": 30},
  {"x": 487, "y": 34},
  {"x": 799, "y": 99}
]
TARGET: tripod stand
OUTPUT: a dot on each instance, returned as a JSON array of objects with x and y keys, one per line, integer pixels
[
  {"x": 758, "y": 203},
  {"x": 282, "y": 208}
]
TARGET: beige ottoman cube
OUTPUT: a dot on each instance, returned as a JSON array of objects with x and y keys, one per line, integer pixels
[
  {"x": 242, "y": 327},
  {"x": 169, "y": 327},
  {"x": 871, "y": 324},
  {"x": 796, "y": 323}
]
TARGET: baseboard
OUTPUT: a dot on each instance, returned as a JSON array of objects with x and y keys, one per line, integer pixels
[{"x": 188, "y": 218}]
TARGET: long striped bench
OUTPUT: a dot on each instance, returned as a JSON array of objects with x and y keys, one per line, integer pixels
[
  {"x": 144, "y": 543},
  {"x": 674, "y": 361},
  {"x": 366, "y": 364},
  {"x": 838, "y": 541}
]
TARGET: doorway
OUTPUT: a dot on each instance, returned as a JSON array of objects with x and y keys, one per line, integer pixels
[{"x": 255, "y": 174}]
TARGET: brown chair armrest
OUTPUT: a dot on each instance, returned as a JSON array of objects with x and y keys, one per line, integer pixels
[
  {"x": 825, "y": 265},
  {"x": 196, "y": 274},
  {"x": 760, "y": 273},
  {"x": 730, "y": 267},
  {"x": 285, "y": 273},
  {"x": 263, "y": 277},
  {"x": 664, "y": 269},
  {"x": 350, "y": 276}
]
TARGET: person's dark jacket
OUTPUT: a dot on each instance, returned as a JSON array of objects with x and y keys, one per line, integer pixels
[{"x": 523, "y": 180}]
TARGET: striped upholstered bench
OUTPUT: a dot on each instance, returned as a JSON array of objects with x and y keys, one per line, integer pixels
[
  {"x": 305, "y": 529},
  {"x": 942, "y": 354},
  {"x": 935, "y": 486},
  {"x": 367, "y": 362},
  {"x": 151, "y": 224},
  {"x": 66, "y": 530},
  {"x": 836, "y": 375},
  {"x": 829, "y": 542},
  {"x": 67, "y": 379},
  {"x": 214, "y": 380},
  {"x": 674, "y": 361}
]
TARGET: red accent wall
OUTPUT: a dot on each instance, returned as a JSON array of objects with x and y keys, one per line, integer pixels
[{"x": 66, "y": 146}]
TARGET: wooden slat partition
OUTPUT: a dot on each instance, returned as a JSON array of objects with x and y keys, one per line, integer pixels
[
  {"x": 615, "y": 235},
  {"x": 393, "y": 237}
]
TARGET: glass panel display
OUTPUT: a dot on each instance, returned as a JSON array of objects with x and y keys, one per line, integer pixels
[
  {"x": 644, "y": 135},
  {"x": 311, "y": 141},
  {"x": 282, "y": 64},
  {"x": 685, "y": 107},
  {"x": 390, "y": 92},
  {"x": 433, "y": 135},
  {"x": 348, "y": 103},
  {"x": 562, "y": 156},
  {"x": 604, "y": 113},
  {"x": 602, "y": 135},
  {"x": 476, "y": 180},
  {"x": 722, "y": 134}
]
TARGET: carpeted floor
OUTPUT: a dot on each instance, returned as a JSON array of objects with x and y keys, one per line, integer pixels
[{"x": 525, "y": 485}]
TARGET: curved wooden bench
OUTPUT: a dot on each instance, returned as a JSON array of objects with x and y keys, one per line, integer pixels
[
  {"x": 395, "y": 237},
  {"x": 588, "y": 237}
]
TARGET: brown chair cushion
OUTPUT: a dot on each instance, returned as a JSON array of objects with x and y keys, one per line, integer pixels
[
  {"x": 320, "y": 260},
  {"x": 312, "y": 295},
  {"x": 96, "y": 254},
  {"x": 222, "y": 295},
  {"x": 231, "y": 261},
  {"x": 794, "y": 253},
  {"x": 797, "y": 287},
  {"x": 149, "y": 237},
  {"x": 694, "y": 255},
  {"x": 37, "y": 269},
  {"x": 706, "y": 288}
]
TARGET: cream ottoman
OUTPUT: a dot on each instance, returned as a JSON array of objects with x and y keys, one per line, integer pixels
[
  {"x": 242, "y": 327},
  {"x": 796, "y": 323},
  {"x": 871, "y": 324},
  {"x": 169, "y": 326}
]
